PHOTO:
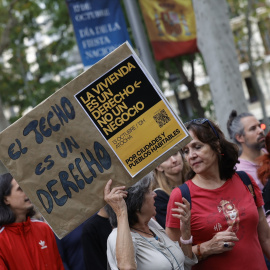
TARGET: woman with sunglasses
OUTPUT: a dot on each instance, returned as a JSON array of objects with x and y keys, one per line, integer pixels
[{"x": 228, "y": 226}]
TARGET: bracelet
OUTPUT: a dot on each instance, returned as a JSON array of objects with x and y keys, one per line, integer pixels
[
  {"x": 199, "y": 254},
  {"x": 186, "y": 242}
]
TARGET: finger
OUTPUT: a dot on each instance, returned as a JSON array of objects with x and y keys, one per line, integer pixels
[
  {"x": 179, "y": 210},
  {"x": 229, "y": 229},
  {"x": 181, "y": 217},
  {"x": 186, "y": 202},
  {"x": 121, "y": 192},
  {"x": 231, "y": 244},
  {"x": 232, "y": 239},
  {"x": 181, "y": 206},
  {"x": 117, "y": 189},
  {"x": 107, "y": 188},
  {"x": 228, "y": 245},
  {"x": 185, "y": 208}
]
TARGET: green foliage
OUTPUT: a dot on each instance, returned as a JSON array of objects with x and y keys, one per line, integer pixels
[{"x": 36, "y": 55}]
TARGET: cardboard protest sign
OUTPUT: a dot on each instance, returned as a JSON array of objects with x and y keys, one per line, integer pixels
[{"x": 112, "y": 121}]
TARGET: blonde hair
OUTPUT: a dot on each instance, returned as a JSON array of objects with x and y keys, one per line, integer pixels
[{"x": 162, "y": 182}]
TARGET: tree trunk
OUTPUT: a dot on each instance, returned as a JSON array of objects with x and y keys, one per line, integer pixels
[
  {"x": 190, "y": 84},
  {"x": 216, "y": 43}
]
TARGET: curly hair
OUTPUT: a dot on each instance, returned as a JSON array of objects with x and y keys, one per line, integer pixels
[{"x": 226, "y": 151}]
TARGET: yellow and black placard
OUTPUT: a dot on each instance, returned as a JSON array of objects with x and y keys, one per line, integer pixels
[{"x": 131, "y": 115}]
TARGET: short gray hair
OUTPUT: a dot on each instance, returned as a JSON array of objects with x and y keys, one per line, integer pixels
[
  {"x": 235, "y": 126},
  {"x": 134, "y": 200}
]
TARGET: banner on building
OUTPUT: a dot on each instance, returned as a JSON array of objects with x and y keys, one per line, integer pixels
[
  {"x": 171, "y": 27},
  {"x": 99, "y": 26},
  {"x": 111, "y": 122}
]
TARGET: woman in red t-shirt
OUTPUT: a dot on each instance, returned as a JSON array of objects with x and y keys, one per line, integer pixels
[{"x": 228, "y": 226}]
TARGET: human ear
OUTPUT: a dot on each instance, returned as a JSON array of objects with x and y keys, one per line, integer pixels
[
  {"x": 240, "y": 138},
  {"x": 159, "y": 168},
  {"x": 6, "y": 201}
]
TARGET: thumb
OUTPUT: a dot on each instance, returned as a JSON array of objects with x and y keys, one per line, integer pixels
[
  {"x": 107, "y": 187},
  {"x": 229, "y": 229}
]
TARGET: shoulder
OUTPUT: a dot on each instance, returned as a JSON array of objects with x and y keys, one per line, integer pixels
[
  {"x": 236, "y": 177},
  {"x": 95, "y": 223},
  {"x": 41, "y": 227},
  {"x": 2, "y": 234},
  {"x": 154, "y": 224},
  {"x": 258, "y": 193},
  {"x": 161, "y": 194},
  {"x": 39, "y": 223},
  {"x": 89, "y": 223},
  {"x": 112, "y": 236},
  {"x": 177, "y": 191}
]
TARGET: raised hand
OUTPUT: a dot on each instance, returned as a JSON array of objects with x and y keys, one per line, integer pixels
[
  {"x": 115, "y": 197},
  {"x": 183, "y": 213}
]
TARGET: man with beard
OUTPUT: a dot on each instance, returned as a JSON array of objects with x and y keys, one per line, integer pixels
[
  {"x": 245, "y": 130},
  {"x": 24, "y": 243}
]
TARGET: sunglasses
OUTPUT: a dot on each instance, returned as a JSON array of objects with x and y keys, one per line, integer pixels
[{"x": 201, "y": 121}]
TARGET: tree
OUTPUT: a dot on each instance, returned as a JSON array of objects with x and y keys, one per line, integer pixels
[
  {"x": 175, "y": 67},
  {"x": 248, "y": 10},
  {"x": 36, "y": 39},
  {"x": 35, "y": 46},
  {"x": 216, "y": 43}
]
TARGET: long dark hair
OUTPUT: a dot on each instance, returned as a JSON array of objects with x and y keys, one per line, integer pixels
[
  {"x": 226, "y": 151},
  {"x": 6, "y": 214}
]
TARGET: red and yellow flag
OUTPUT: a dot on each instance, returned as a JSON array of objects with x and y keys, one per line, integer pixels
[{"x": 171, "y": 27}]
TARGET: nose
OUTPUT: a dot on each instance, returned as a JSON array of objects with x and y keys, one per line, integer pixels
[
  {"x": 191, "y": 154},
  {"x": 261, "y": 131},
  {"x": 173, "y": 158},
  {"x": 154, "y": 194}
]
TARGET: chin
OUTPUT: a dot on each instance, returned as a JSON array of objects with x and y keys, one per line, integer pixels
[{"x": 30, "y": 208}]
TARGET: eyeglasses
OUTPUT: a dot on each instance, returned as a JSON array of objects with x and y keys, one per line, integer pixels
[{"x": 201, "y": 121}]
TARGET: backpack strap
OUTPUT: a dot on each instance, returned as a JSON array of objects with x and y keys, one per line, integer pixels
[
  {"x": 243, "y": 176},
  {"x": 185, "y": 192},
  {"x": 246, "y": 180}
]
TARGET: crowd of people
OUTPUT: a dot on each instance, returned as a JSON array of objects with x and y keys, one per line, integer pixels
[{"x": 205, "y": 207}]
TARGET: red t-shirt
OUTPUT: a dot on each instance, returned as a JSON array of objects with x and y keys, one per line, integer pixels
[{"x": 213, "y": 211}]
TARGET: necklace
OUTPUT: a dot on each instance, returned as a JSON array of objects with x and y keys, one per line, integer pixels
[
  {"x": 152, "y": 233},
  {"x": 179, "y": 267}
]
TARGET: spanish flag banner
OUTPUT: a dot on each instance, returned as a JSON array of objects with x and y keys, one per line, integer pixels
[{"x": 171, "y": 27}]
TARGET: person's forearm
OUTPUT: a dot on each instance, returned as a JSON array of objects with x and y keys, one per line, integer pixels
[
  {"x": 264, "y": 233},
  {"x": 187, "y": 248},
  {"x": 124, "y": 244},
  {"x": 266, "y": 248},
  {"x": 202, "y": 250}
]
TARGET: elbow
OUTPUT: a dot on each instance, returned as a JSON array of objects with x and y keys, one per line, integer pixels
[{"x": 127, "y": 266}]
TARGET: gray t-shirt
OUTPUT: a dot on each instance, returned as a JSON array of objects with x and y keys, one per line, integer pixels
[{"x": 162, "y": 254}]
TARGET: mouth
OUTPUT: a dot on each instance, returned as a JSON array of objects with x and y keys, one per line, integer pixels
[
  {"x": 195, "y": 163},
  {"x": 176, "y": 165}
]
